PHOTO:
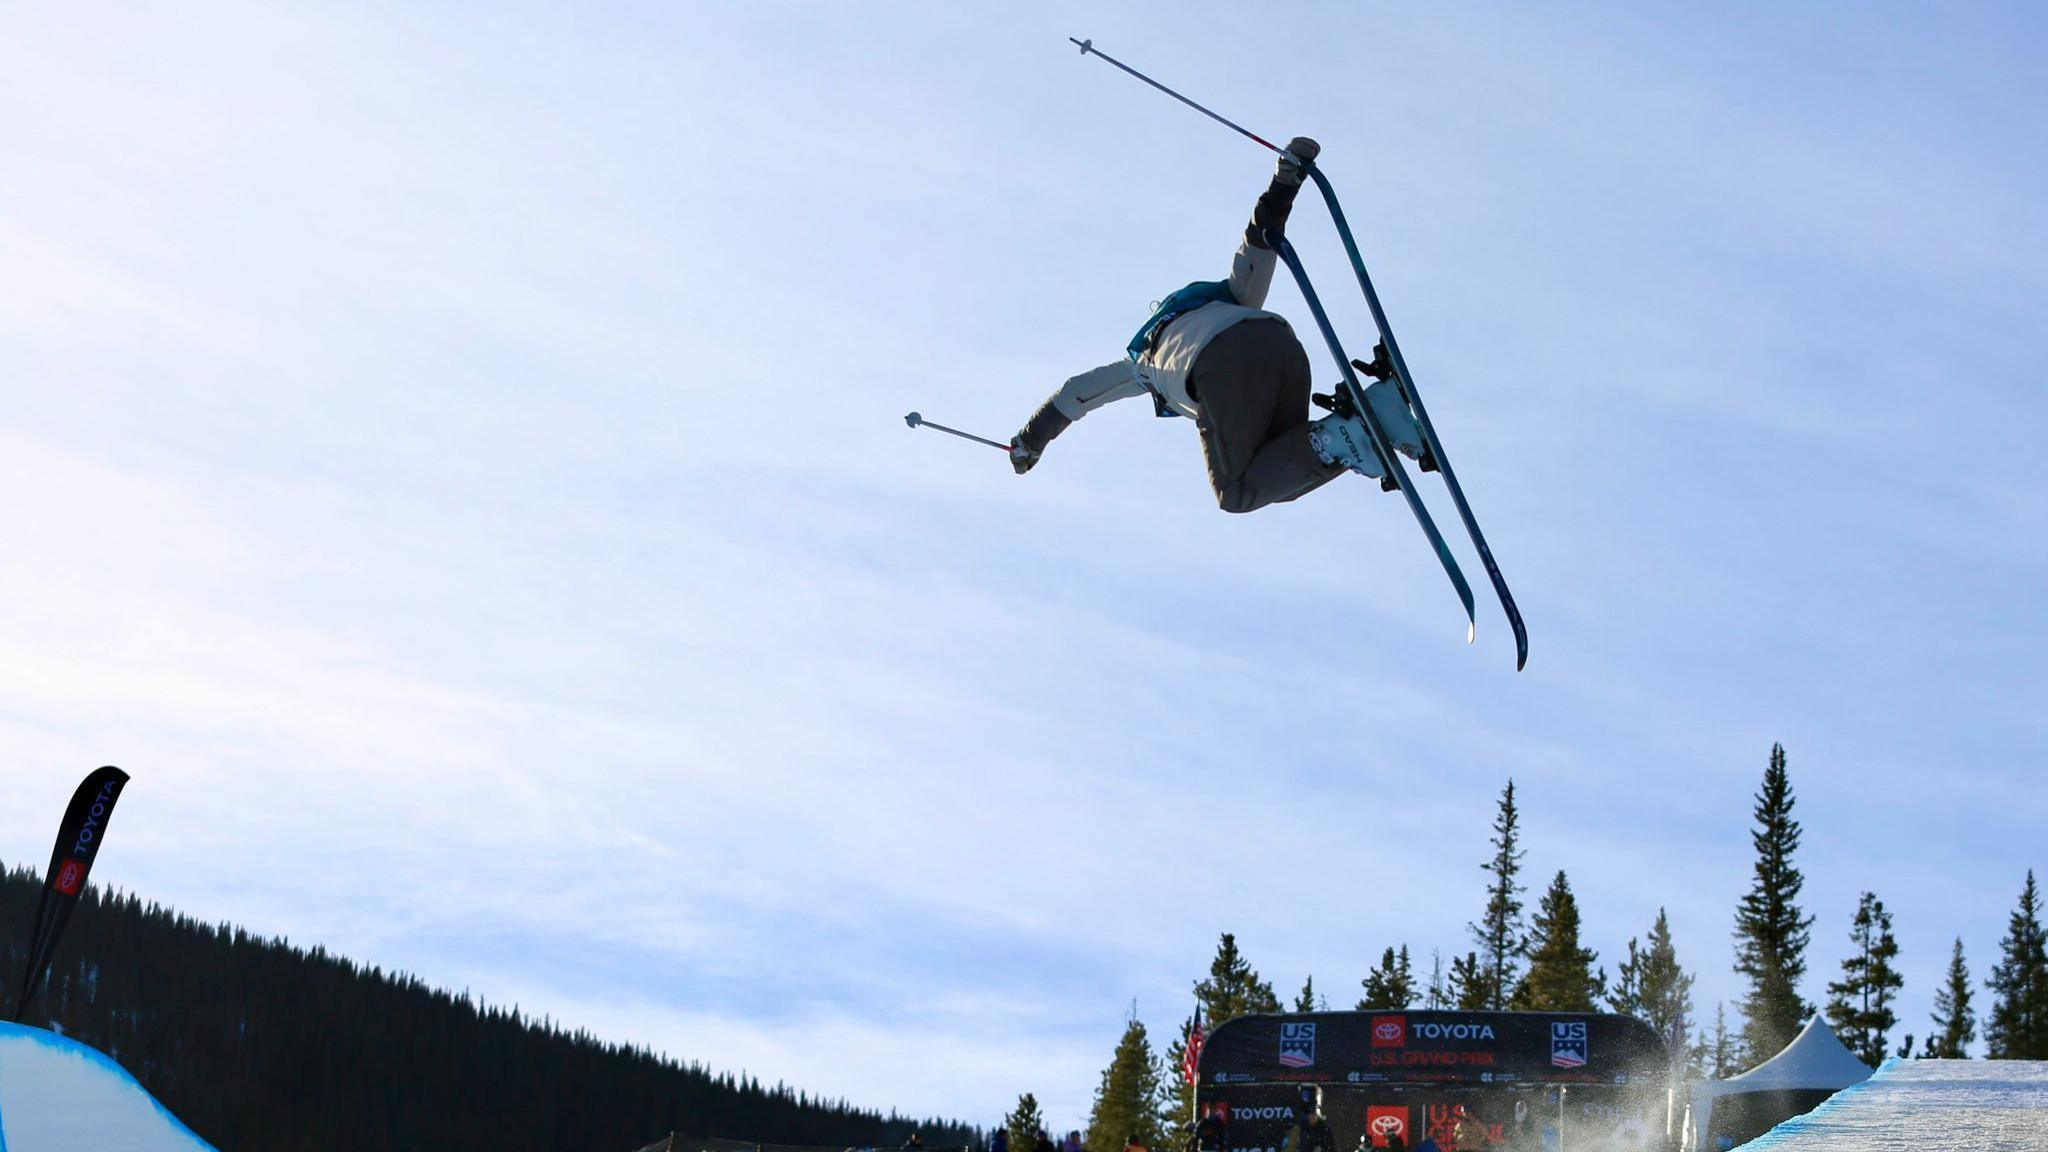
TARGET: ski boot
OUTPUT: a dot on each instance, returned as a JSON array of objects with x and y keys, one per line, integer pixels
[
  {"x": 1390, "y": 403},
  {"x": 1342, "y": 438}
]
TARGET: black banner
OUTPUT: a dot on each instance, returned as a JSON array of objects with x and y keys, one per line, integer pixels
[
  {"x": 78, "y": 842},
  {"x": 1465, "y": 1079}
]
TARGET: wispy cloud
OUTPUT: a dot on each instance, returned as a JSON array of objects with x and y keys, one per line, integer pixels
[{"x": 467, "y": 453}]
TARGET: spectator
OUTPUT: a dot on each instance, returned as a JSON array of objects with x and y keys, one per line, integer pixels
[
  {"x": 1212, "y": 1132},
  {"x": 1312, "y": 1130}
]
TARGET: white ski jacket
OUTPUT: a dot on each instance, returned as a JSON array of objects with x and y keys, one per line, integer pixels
[{"x": 1164, "y": 369}]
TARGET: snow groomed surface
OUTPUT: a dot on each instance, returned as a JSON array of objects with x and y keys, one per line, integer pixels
[
  {"x": 1978, "y": 1105},
  {"x": 57, "y": 1095}
]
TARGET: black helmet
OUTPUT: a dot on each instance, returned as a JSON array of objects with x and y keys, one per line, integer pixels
[{"x": 1312, "y": 1097}]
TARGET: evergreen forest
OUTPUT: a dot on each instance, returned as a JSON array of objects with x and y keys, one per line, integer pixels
[{"x": 257, "y": 1044}]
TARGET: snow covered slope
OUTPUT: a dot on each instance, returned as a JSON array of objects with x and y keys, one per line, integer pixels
[
  {"x": 1978, "y": 1105},
  {"x": 57, "y": 1095}
]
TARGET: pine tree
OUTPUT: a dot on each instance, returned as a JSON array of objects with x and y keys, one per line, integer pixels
[
  {"x": 1771, "y": 935},
  {"x": 1560, "y": 977},
  {"x": 1713, "y": 1058},
  {"x": 1025, "y": 1123},
  {"x": 1667, "y": 988},
  {"x": 2017, "y": 1028},
  {"x": 1471, "y": 984},
  {"x": 1175, "y": 1102},
  {"x": 1626, "y": 996},
  {"x": 1470, "y": 987},
  {"x": 1499, "y": 935},
  {"x": 1727, "y": 1045},
  {"x": 1955, "y": 1025},
  {"x": 1233, "y": 989},
  {"x": 1305, "y": 1000},
  {"x": 1391, "y": 984},
  {"x": 1126, "y": 1102},
  {"x": 1653, "y": 988},
  {"x": 1859, "y": 1004}
]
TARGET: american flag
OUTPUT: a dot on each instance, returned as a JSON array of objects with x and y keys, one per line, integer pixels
[{"x": 1192, "y": 1058}]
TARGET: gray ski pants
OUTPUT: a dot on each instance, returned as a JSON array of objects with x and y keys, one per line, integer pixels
[{"x": 1252, "y": 382}]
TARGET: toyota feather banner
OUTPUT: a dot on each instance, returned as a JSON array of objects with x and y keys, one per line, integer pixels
[{"x": 78, "y": 841}]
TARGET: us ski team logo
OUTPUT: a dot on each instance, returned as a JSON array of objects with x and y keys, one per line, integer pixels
[
  {"x": 1568, "y": 1043},
  {"x": 1297, "y": 1045}
]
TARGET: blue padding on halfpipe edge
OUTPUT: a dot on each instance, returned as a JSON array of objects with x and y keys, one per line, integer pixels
[{"x": 23, "y": 1049}]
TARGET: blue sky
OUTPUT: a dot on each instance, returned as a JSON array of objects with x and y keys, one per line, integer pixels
[{"x": 456, "y": 465}]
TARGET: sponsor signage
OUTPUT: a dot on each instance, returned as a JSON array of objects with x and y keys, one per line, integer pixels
[
  {"x": 1454, "y": 1030},
  {"x": 1568, "y": 1044},
  {"x": 1453, "y": 1075},
  {"x": 1389, "y": 1031},
  {"x": 1432, "y": 1047},
  {"x": 70, "y": 878},
  {"x": 1298, "y": 1045},
  {"x": 1382, "y": 1124},
  {"x": 79, "y": 837}
]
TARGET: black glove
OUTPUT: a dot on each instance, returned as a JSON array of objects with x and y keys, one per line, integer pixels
[
  {"x": 1022, "y": 455},
  {"x": 1030, "y": 441},
  {"x": 1270, "y": 213}
]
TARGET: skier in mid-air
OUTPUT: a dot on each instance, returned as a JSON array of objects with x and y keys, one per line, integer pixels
[{"x": 1211, "y": 353}]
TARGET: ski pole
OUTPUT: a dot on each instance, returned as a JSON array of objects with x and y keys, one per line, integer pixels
[
  {"x": 915, "y": 421},
  {"x": 1088, "y": 46}
]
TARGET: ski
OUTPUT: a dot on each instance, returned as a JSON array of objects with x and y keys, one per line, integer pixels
[
  {"x": 1414, "y": 398},
  {"x": 1381, "y": 442}
]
